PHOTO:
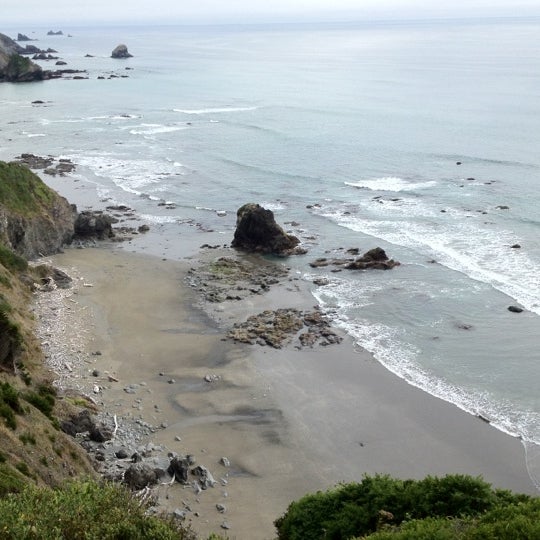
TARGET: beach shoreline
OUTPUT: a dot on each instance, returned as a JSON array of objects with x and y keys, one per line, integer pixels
[{"x": 289, "y": 421}]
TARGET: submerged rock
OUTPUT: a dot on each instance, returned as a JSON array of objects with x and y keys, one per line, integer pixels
[
  {"x": 375, "y": 258},
  {"x": 257, "y": 231}
]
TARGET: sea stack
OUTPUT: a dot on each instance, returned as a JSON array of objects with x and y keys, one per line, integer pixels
[
  {"x": 257, "y": 231},
  {"x": 121, "y": 51}
]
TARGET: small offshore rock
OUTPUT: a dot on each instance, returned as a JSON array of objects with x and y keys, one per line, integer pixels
[
  {"x": 225, "y": 462},
  {"x": 221, "y": 508},
  {"x": 121, "y": 51},
  {"x": 515, "y": 309}
]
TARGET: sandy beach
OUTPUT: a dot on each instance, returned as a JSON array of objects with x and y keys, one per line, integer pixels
[{"x": 289, "y": 421}]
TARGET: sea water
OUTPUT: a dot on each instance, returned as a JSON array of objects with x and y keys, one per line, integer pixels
[{"x": 418, "y": 137}]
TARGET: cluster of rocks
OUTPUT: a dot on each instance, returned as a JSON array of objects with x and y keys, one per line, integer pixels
[
  {"x": 121, "y": 453},
  {"x": 16, "y": 67},
  {"x": 48, "y": 164},
  {"x": 279, "y": 327},
  {"x": 230, "y": 278},
  {"x": 374, "y": 259}
]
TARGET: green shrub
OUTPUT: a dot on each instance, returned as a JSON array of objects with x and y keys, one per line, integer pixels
[
  {"x": 9, "y": 404},
  {"x": 23, "y": 468},
  {"x": 504, "y": 522},
  {"x": 43, "y": 399},
  {"x": 82, "y": 510},
  {"x": 27, "y": 438},
  {"x": 362, "y": 508},
  {"x": 10, "y": 480}
]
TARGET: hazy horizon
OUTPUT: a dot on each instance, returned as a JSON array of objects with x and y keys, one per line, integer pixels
[{"x": 63, "y": 12}]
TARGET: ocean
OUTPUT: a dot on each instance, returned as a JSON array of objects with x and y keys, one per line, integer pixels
[{"x": 418, "y": 137}]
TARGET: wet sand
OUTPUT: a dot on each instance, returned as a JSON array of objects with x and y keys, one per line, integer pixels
[{"x": 289, "y": 421}]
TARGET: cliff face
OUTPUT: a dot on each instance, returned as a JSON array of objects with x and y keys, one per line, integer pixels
[
  {"x": 13, "y": 66},
  {"x": 34, "y": 220}
]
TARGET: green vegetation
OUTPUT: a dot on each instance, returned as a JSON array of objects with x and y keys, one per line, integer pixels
[
  {"x": 22, "y": 191},
  {"x": 11, "y": 260},
  {"x": 9, "y": 404},
  {"x": 82, "y": 510},
  {"x": 11, "y": 481},
  {"x": 515, "y": 521},
  {"x": 434, "y": 508},
  {"x": 17, "y": 65},
  {"x": 43, "y": 399}
]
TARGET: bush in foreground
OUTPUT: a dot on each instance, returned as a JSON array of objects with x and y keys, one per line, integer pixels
[
  {"x": 82, "y": 510},
  {"x": 381, "y": 502}
]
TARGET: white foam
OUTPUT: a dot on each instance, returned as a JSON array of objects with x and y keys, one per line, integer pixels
[
  {"x": 393, "y": 349},
  {"x": 273, "y": 206},
  {"x": 154, "y": 129},
  {"x": 215, "y": 110},
  {"x": 131, "y": 175},
  {"x": 31, "y": 135},
  {"x": 389, "y": 183},
  {"x": 463, "y": 244},
  {"x": 160, "y": 220}
]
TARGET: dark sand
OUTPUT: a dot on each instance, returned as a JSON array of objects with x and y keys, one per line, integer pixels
[{"x": 290, "y": 421}]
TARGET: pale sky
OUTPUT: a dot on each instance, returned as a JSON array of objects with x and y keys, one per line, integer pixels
[{"x": 35, "y": 12}]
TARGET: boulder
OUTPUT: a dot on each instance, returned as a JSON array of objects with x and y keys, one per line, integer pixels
[
  {"x": 121, "y": 51},
  {"x": 257, "y": 231},
  {"x": 93, "y": 224},
  {"x": 375, "y": 258},
  {"x": 140, "y": 475},
  {"x": 179, "y": 468}
]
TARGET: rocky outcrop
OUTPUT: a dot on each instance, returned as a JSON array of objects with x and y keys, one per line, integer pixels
[
  {"x": 13, "y": 66},
  {"x": 34, "y": 219},
  {"x": 277, "y": 328},
  {"x": 374, "y": 259},
  {"x": 22, "y": 37},
  {"x": 121, "y": 51},
  {"x": 53, "y": 33},
  {"x": 257, "y": 231},
  {"x": 93, "y": 224}
]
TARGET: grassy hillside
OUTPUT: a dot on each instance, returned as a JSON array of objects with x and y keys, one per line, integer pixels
[{"x": 22, "y": 191}]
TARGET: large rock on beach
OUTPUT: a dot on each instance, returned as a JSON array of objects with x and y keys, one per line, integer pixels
[
  {"x": 93, "y": 224},
  {"x": 257, "y": 231},
  {"x": 140, "y": 475},
  {"x": 121, "y": 51}
]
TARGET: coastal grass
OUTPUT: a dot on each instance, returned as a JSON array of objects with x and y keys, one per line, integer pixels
[
  {"x": 382, "y": 503},
  {"x": 22, "y": 191}
]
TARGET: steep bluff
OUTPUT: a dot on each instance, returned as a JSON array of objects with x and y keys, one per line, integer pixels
[
  {"x": 34, "y": 219},
  {"x": 13, "y": 66}
]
